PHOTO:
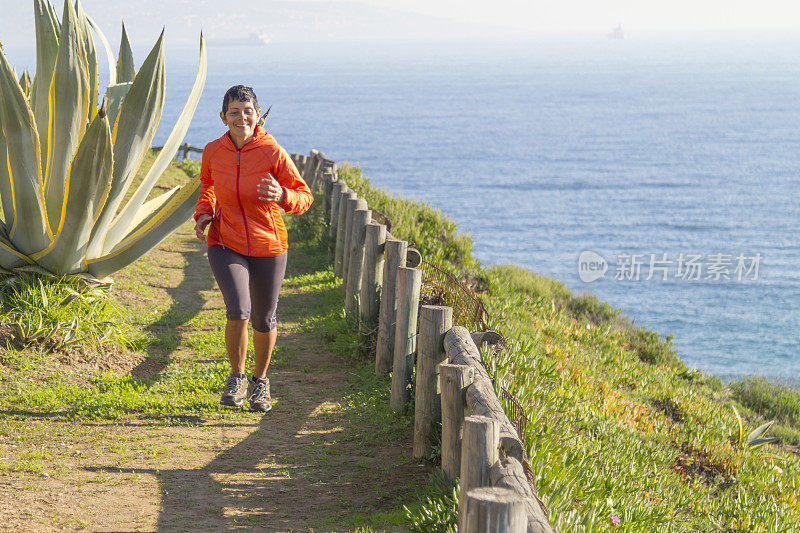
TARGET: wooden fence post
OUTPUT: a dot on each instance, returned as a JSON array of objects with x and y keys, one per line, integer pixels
[
  {"x": 395, "y": 256},
  {"x": 327, "y": 188},
  {"x": 508, "y": 473},
  {"x": 453, "y": 382},
  {"x": 348, "y": 257},
  {"x": 434, "y": 322},
  {"x": 312, "y": 164},
  {"x": 355, "y": 270},
  {"x": 302, "y": 167},
  {"x": 341, "y": 232},
  {"x": 371, "y": 281},
  {"x": 494, "y": 510},
  {"x": 409, "y": 281},
  {"x": 350, "y": 208},
  {"x": 479, "y": 445},
  {"x": 336, "y": 195}
]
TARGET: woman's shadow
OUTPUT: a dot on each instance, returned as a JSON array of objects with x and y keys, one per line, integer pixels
[{"x": 187, "y": 302}]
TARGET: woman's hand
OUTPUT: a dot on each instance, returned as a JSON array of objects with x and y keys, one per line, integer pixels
[
  {"x": 200, "y": 226},
  {"x": 269, "y": 190}
]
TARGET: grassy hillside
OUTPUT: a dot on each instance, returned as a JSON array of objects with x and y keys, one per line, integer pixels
[{"x": 622, "y": 435}]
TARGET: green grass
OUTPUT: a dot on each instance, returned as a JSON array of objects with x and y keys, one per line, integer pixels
[
  {"x": 47, "y": 313},
  {"x": 422, "y": 226}
]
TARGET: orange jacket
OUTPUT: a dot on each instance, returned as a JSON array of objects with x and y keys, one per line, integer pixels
[{"x": 228, "y": 193}]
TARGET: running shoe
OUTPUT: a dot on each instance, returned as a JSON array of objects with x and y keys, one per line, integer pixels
[
  {"x": 235, "y": 390},
  {"x": 260, "y": 399}
]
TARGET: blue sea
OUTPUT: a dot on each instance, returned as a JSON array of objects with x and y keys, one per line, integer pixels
[{"x": 648, "y": 158}]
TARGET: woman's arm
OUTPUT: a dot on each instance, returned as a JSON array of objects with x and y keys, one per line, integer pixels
[
  {"x": 206, "y": 201},
  {"x": 297, "y": 197}
]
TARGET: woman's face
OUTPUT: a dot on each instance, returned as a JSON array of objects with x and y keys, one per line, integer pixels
[{"x": 241, "y": 119}]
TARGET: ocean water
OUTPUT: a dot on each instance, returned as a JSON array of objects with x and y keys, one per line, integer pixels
[
  {"x": 683, "y": 151},
  {"x": 636, "y": 150}
]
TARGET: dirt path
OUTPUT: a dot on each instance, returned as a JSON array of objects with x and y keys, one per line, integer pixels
[{"x": 315, "y": 463}]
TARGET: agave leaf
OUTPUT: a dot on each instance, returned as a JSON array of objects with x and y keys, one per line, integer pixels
[
  {"x": 177, "y": 211},
  {"x": 112, "y": 79},
  {"x": 36, "y": 269},
  {"x": 25, "y": 82},
  {"x": 47, "y": 34},
  {"x": 759, "y": 431},
  {"x": 68, "y": 299},
  {"x": 115, "y": 94},
  {"x": 740, "y": 441},
  {"x": 22, "y": 169},
  {"x": 69, "y": 100},
  {"x": 45, "y": 301},
  {"x": 149, "y": 209},
  {"x": 757, "y": 443},
  {"x": 125, "y": 221},
  {"x": 87, "y": 187},
  {"x": 136, "y": 126},
  {"x": 126, "y": 70},
  {"x": 6, "y": 188},
  {"x": 10, "y": 257},
  {"x": 90, "y": 59}
]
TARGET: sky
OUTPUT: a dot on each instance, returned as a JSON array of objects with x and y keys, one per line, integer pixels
[
  {"x": 589, "y": 16},
  {"x": 493, "y": 18}
]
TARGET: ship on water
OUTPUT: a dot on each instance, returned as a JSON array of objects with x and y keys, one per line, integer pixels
[
  {"x": 617, "y": 33},
  {"x": 255, "y": 39}
]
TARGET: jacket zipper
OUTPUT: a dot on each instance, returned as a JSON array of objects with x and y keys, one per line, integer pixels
[
  {"x": 219, "y": 224},
  {"x": 239, "y": 198}
]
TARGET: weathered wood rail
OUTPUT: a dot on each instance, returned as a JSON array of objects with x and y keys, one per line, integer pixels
[
  {"x": 183, "y": 151},
  {"x": 480, "y": 446}
]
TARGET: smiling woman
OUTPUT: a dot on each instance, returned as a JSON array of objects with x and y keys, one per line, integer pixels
[{"x": 246, "y": 177}]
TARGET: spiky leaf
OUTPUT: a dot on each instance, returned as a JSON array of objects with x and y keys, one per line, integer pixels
[
  {"x": 160, "y": 226},
  {"x": 115, "y": 94},
  {"x": 126, "y": 70},
  {"x": 22, "y": 170},
  {"x": 69, "y": 102},
  {"x": 123, "y": 223},
  {"x": 89, "y": 56},
  {"x": 107, "y": 47},
  {"x": 756, "y": 437},
  {"x": 26, "y": 82},
  {"x": 6, "y": 191},
  {"x": 136, "y": 126},
  {"x": 10, "y": 257},
  {"x": 87, "y": 187},
  {"x": 47, "y": 33}
]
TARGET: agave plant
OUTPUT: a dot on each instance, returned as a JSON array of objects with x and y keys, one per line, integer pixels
[{"x": 67, "y": 163}]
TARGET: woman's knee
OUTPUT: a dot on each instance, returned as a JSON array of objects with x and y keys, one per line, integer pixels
[
  {"x": 237, "y": 314},
  {"x": 264, "y": 324}
]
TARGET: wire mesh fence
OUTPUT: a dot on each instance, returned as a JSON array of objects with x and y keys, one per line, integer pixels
[{"x": 440, "y": 287}]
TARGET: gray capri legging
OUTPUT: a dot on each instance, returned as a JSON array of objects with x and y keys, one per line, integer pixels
[{"x": 249, "y": 285}]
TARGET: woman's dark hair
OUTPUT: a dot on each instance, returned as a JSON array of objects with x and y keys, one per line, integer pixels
[{"x": 239, "y": 93}]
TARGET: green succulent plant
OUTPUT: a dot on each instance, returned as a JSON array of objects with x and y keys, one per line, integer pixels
[{"x": 66, "y": 163}]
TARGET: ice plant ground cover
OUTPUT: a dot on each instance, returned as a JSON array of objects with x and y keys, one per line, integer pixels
[
  {"x": 70, "y": 157},
  {"x": 622, "y": 435}
]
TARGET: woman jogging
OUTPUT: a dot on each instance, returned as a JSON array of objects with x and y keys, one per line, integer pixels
[{"x": 246, "y": 176}]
